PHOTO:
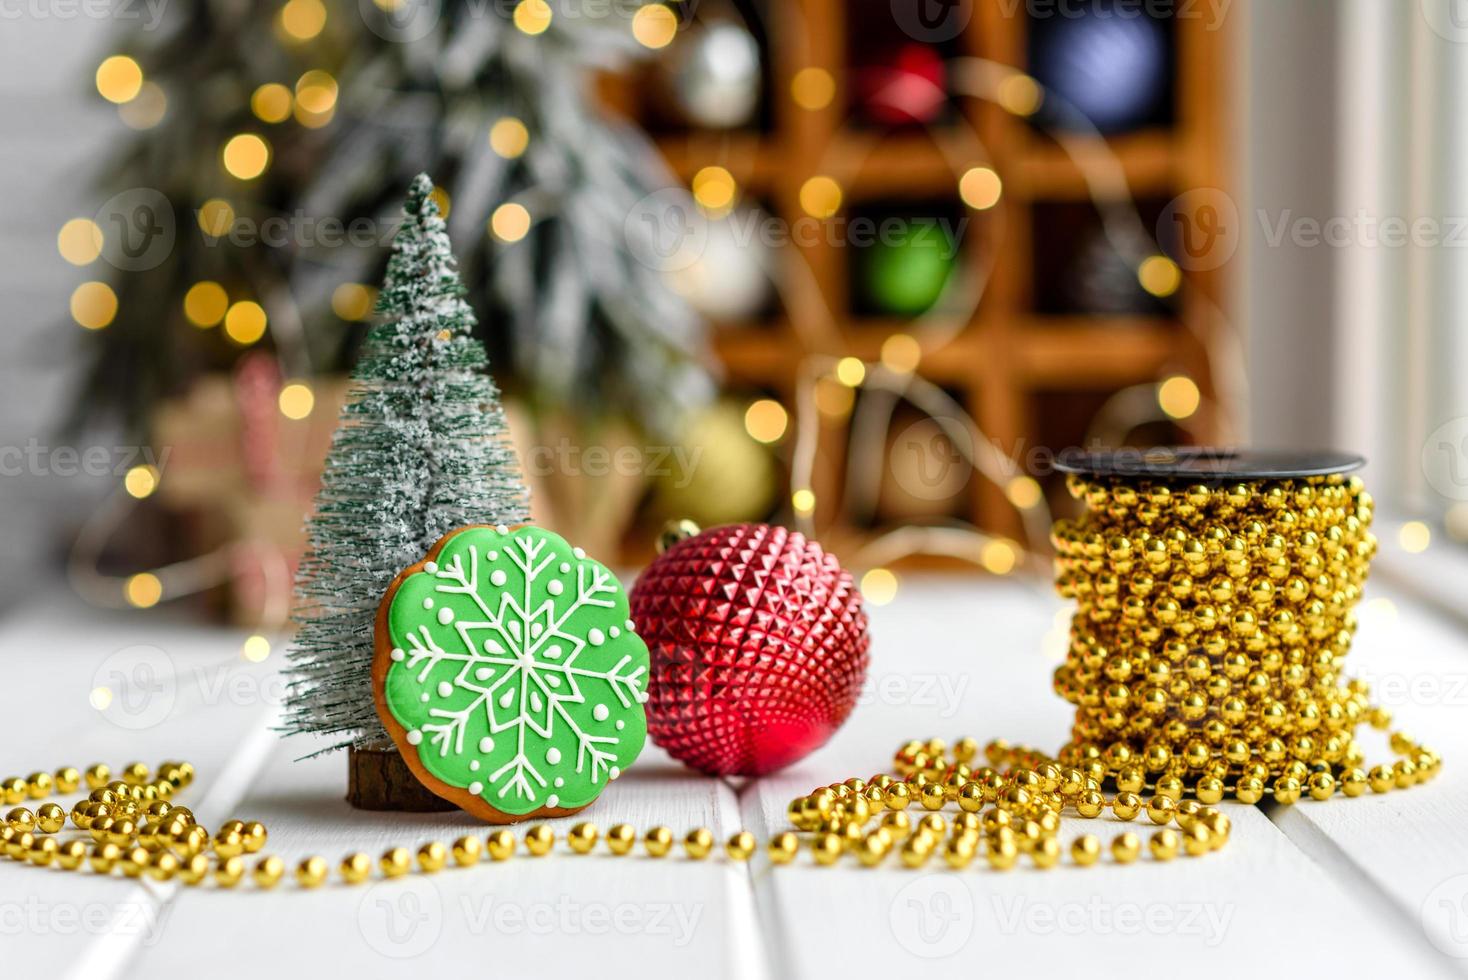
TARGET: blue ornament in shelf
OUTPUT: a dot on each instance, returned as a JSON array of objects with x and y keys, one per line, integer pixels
[{"x": 1111, "y": 66}]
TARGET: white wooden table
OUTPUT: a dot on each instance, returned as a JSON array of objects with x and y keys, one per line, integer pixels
[{"x": 1371, "y": 887}]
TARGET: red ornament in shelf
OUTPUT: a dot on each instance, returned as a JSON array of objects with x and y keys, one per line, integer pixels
[
  {"x": 759, "y": 648},
  {"x": 907, "y": 87}
]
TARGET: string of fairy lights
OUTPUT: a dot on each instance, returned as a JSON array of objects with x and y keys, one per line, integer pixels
[{"x": 827, "y": 386}]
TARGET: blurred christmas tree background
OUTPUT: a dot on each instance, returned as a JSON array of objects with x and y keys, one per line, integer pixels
[
  {"x": 280, "y": 137},
  {"x": 812, "y": 262}
]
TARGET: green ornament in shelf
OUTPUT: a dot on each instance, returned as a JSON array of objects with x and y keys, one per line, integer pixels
[{"x": 905, "y": 273}]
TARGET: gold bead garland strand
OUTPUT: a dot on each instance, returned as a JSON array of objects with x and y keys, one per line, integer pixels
[
  {"x": 1003, "y": 812},
  {"x": 1211, "y": 627}
]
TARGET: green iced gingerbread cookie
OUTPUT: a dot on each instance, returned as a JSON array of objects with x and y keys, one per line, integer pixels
[{"x": 509, "y": 675}]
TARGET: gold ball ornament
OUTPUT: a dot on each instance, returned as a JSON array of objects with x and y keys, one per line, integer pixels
[
  {"x": 229, "y": 872},
  {"x": 467, "y": 851},
  {"x": 658, "y": 841},
  {"x": 311, "y": 872},
  {"x": 396, "y": 862},
  {"x": 783, "y": 847},
  {"x": 621, "y": 838},
  {"x": 698, "y": 843},
  {"x": 267, "y": 872},
  {"x": 432, "y": 857},
  {"x": 1164, "y": 845},
  {"x": 355, "y": 868},
  {"x": 500, "y": 844},
  {"x": 582, "y": 837},
  {"x": 734, "y": 480},
  {"x": 740, "y": 846},
  {"x": 539, "y": 840}
]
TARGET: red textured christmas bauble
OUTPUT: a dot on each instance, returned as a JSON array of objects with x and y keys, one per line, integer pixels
[{"x": 759, "y": 648}]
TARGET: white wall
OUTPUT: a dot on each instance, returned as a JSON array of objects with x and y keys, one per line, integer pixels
[
  {"x": 1288, "y": 167},
  {"x": 53, "y": 131}
]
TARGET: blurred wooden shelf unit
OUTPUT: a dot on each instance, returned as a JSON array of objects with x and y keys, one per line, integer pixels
[{"x": 1030, "y": 367}]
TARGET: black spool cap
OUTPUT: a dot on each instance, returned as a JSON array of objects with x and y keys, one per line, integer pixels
[{"x": 1191, "y": 464}]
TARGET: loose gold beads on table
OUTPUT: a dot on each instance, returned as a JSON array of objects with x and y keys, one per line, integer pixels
[
  {"x": 1210, "y": 632},
  {"x": 1002, "y": 813},
  {"x": 1006, "y": 811}
]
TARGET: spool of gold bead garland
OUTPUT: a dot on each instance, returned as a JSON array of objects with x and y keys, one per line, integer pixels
[{"x": 1212, "y": 624}]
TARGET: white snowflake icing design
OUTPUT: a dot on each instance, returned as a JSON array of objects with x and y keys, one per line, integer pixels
[{"x": 520, "y": 661}]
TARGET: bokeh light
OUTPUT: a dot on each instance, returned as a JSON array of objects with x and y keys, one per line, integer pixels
[
  {"x": 141, "y": 481},
  {"x": 245, "y": 322},
  {"x": 205, "y": 304},
  {"x": 812, "y": 88},
  {"x": 246, "y": 156},
  {"x": 766, "y": 420},
  {"x": 998, "y": 557},
  {"x": 143, "y": 590},
  {"x": 296, "y": 400},
  {"x": 353, "y": 301},
  {"x": 901, "y": 353},
  {"x": 93, "y": 305},
  {"x": 508, "y": 137},
  {"x": 79, "y": 241},
  {"x": 255, "y": 649},
  {"x": 1179, "y": 397},
  {"x": 655, "y": 25},
  {"x": 216, "y": 217},
  {"x": 879, "y": 586},
  {"x": 1159, "y": 275},
  {"x": 820, "y": 197},
  {"x": 980, "y": 188},
  {"x": 1414, "y": 537},
  {"x": 510, "y": 222},
  {"x": 119, "y": 79},
  {"x": 301, "y": 20},
  {"x": 272, "y": 102},
  {"x": 714, "y": 188},
  {"x": 533, "y": 16},
  {"x": 147, "y": 109}
]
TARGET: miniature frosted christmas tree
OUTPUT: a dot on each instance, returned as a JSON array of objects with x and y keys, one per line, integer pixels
[{"x": 422, "y": 448}]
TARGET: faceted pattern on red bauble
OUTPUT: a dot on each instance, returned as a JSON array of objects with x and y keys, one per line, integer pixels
[{"x": 759, "y": 648}]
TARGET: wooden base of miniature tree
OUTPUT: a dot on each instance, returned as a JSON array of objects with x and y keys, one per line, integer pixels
[{"x": 379, "y": 779}]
